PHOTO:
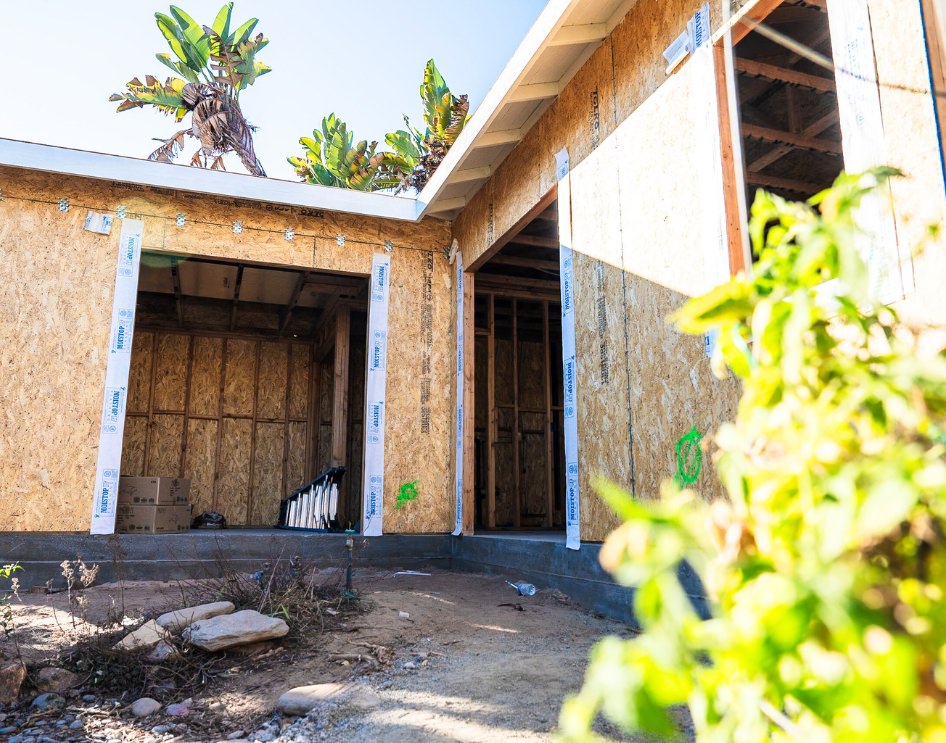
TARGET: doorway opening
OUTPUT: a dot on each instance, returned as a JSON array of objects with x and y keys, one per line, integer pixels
[
  {"x": 249, "y": 380},
  {"x": 519, "y": 445}
]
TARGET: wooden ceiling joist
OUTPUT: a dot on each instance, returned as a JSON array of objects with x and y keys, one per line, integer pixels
[
  {"x": 236, "y": 297},
  {"x": 535, "y": 241},
  {"x": 782, "y": 184},
  {"x": 286, "y": 314},
  {"x": 519, "y": 262},
  {"x": 798, "y": 141},
  {"x": 777, "y": 153},
  {"x": 784, "y": 75}
]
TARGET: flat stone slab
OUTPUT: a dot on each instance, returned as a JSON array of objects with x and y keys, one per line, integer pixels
[
  {"x": 303, "y": 699},
  {"x": 175, "y": 621},
  {"x": 144, "y": 638},
  {"x": 229, "y": 630}
]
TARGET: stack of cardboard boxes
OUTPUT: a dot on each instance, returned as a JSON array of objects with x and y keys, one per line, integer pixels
[{"x": 153, "y": 505}]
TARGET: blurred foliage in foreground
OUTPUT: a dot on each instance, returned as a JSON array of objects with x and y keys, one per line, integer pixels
[{"x": 826, "y": 567}]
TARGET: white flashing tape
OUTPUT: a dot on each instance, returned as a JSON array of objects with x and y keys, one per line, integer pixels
[
  {"x": 572, "y": 502},
  {"x": 704, "y": 114},
  {"x": 108, "y": 467},
  {"x": 458, "y": 478},
  {"x": 863, "y": 142},
  {"x": 373, "y": 494}
]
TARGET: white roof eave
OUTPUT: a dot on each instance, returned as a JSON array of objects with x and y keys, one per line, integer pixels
[{"x": 101, "y": 166}]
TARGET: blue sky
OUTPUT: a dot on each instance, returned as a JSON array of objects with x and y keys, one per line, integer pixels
[{"x": 362, "y": 59}]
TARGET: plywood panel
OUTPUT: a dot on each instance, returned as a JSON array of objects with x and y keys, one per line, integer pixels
[
  {"x": 199, "y": 465},
  {"x": 238, "y": 377},
  {"x": 672, "y": 387},
  {"x": 57, "y": 276},
  {"x": 133, "y": 445},
  {"x": 913, "y": 146},
  {"x": 166, "y": 442},
  {"x": 267, "y": 473},
  {"x": 273, "y": 378},
  {"x": 170, "y": 371},
  {"x": 421, "y": 362},
  {"x": 233, "y": 481},
  {"x": 295, "y": 463},
  {"x": 205, "y": 376},
  {"x": 299, "y": 363},
  {"x": 604, "y": 409},
  {"x": 139, "y": 376}
]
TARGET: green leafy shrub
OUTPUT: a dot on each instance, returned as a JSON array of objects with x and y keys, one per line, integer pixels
[{"x": 825, "y": 568}]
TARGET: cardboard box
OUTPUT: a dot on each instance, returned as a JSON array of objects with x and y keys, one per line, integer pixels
[
  {"x": 144, "y": 519},
  {"x": 153, "y": 491}
]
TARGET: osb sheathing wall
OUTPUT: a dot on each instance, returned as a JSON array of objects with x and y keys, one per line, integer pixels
[
  {"x": 635, "y": 236},
  {"x": 175, "y": 409},
  {"x": 638, "y": 378},
  {"x": 56, "y": 284},
  {"x": 911, "y": 140}
]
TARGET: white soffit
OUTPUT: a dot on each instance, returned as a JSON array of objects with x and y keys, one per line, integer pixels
[{"x": 564, "y": 36}]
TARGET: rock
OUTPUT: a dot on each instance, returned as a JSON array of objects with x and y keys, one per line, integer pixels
[
  {"x": 302, "y": 699},
  {"x": 89, "y": 698},
  {"x": 161, "y": 652},
  {"x": 11, "y": 679},
  {"x": 235, "y": 735},
  {"x": 48, "y": 701},
  {"x": 144, "y": 638},
  {"x": 161, "y": 729},
  {"x": 76, "y": 725},
  {"x": 144, "y": 707},
  {"x": 175, "y": 621},
  {"x": 7, "y": 730},
  {"x": 229, "y": 630},
  {"x": 58, "y": 680},
  {"x": 178, "y": 710}
]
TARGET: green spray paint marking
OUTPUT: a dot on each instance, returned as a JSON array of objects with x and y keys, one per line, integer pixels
[
  {"x": 689, "y": 458},
  {"x": 406, "y": 494}
]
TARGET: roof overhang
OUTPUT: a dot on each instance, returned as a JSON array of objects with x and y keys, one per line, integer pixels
[
  {"x": 184, "y": 178},
  {"x": 564, "y": 36}
]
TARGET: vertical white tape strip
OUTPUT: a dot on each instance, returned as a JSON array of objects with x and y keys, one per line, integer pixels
[
  {"x": 458, "y": 479},
  {"x": 108, "y": 467},
  {"x": 373, "y": 495},
  {"x": 862, "y": 139},
  {"x": 572, "y": 515},
  {"x": 704, "y": 113}
]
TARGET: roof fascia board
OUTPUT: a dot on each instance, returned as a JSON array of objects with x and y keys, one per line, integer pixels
[
  {"x": 101, "y": 166},
  {"x": 548, "y": 22}
]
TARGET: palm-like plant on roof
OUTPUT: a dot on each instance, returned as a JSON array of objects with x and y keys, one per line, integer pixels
[
  {"x": 215, "y": 64},
  {"x": 416, "y": 155},
  {"x": 333, "y": 158}
]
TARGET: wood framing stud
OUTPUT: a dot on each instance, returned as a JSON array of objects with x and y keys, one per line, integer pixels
[{"x": 340, "y": 387}]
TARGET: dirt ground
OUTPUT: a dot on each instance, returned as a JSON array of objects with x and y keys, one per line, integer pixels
[{"x": 471, "y": 661}]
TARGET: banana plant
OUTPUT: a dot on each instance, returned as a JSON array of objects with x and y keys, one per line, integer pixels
[
  {"x": 215, "y": 64},
  {"x": 417, "y": 155},
  {"x": 333, "y": 158}
]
